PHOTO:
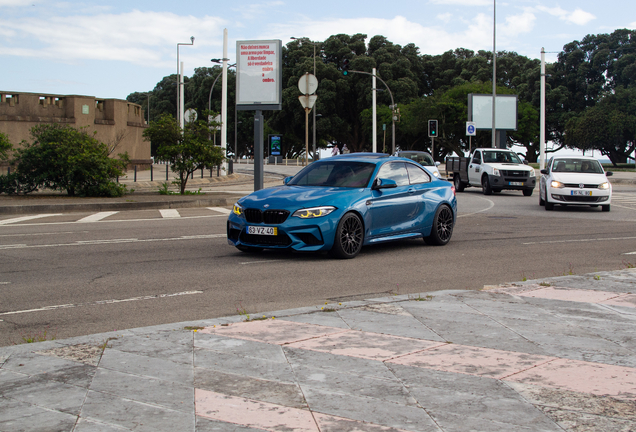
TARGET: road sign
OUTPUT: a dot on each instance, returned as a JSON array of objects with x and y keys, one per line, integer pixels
[
  {"x": 307, "y": 84},
  {"x": 190, "y": 115},
  {"x": 307, "y": 101},
  {"x": 471, "y": 129}
]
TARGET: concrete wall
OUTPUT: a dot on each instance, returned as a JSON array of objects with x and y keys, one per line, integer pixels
[{"x": 117, "y": 122}]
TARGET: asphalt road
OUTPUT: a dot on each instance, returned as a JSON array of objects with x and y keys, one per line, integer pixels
[{"x": 140, "y": 268}]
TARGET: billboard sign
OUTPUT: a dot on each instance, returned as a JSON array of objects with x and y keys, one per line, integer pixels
[
  {"x": 259, "y": 75},
  {"x": 480, "y": 111}
]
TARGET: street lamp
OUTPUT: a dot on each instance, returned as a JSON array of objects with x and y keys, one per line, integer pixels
[
  {"x": 147, "y": 94},
  {"x": 179, "y": 114},
  {"x": 216, "y": 79},
  {"x": 306, "y": 40}
]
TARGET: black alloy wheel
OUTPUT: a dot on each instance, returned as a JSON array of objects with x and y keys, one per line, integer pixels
[
  {"x": 349, "y": 237},
  {"x": 442, "y": 229}
]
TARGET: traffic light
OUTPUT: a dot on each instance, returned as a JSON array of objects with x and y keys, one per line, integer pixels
[
  {"x": 345, "y": 67},
  {"x": 432, "y": 128}
]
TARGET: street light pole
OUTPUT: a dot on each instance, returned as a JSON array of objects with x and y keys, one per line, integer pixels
[
  {"x": 179, "y": 83},
  {"x": 494, "y": 70}
]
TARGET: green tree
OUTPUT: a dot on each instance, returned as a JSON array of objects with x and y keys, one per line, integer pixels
[
  {"x": 5, "y": 146},
  {"x": 66, "y": 159},
  {"x": 186, "y": 150}
]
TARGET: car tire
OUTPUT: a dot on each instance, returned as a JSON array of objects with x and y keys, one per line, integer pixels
[
  {"x": 485, "y": 184},
  {"x": 249, "y": 249},
  {"x": 541, "y": 200},
  {"x": 605, "y": 208},
  {"x": 349, "y": 237},
  {"x": 442, "y": 229},
  {"x": 459, "y": 186},
  {"x": 528, "y": 192}
]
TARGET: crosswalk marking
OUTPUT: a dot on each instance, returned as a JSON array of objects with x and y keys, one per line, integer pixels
[
  {"x": 170, "y": 213},
  {"x": 97, "y": 216},
  {"x": 220, "y": 210},
  {"x": 26, "y": 218}
]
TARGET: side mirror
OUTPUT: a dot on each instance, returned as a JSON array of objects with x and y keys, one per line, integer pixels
[
  {"x": 380, "y": 183},
  {"x": 525, "y": 162},
  {"x": 438, "y": 163},
  {"x": 609, "y": 174},
  {"x": 544, "y": 171},
  {"x": 287, "y": 179}
]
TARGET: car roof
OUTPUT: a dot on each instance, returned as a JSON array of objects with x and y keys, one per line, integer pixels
[
  {"x": 361, "y": 155},
  {"x": 575, "y": 157}
]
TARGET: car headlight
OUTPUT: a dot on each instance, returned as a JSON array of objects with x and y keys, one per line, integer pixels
[
  {"x": 556, "y": 184},
  {"x": 604, "y": 185},
  {"x": 495, "y": 172},
  {"x": 313, "y": 212},
  {"x": 532, "y": 173},
  {"x": 436, "y": 174},
  {"x": 238, "y": 210}
]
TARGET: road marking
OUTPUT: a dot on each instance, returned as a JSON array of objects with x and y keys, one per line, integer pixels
[
  {"x": 122, "y": 220},
  {"x": 97, "y": 216},
  {"x": 580, "y": 240},
  {"x": 170, "y": 213},
  {"x": 629, "y": 253},
  {"x": 112, "y": 241},
  {"x": 492, "y": 204},
  {"x": 259, "y": 262},
  {"x": 101, "y": 302},
  {"x": 43, "y": 234},
  {"x": 220, "y": 210},
  {"x": 26, "y": 218}
]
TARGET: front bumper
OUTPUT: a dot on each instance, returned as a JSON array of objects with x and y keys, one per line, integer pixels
[
  {"x": 570, "y": 196},
  {"x": 295, "y": 233},
  {"x": 505, "y": 181}
]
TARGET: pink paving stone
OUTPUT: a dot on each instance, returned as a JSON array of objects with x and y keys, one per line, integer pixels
[
  {"x": 366, "y": 345},
  {"x": 252, "y": 413},
  {"x": 587, "y": 296},
  {"x": 329, "y": 423},
  {"x": 627, "y": 300},
  {"x": 484, "y": 362},
  {"x": 584, "y": 377},
  {"x": 273, "y": 331}
]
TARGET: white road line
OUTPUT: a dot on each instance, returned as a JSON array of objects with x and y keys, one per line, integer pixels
[
  {"x": 111, "y": 241},
  {"x": 101, "y": 302},
  {"x": 42, "y": 234},
  {"x": 629, "y": 253},
  {"x": 170, "y": 213},
  {"x": 259, "y": 262},
  {"x": 97, "y": 216},
  {"x": 26, "y": 218},
  {"x": 124, "y": 220},
  {"x": 580, "y": 240},
  {"x": 492, "y": 204},
  {"x": 220, "y": 210}
]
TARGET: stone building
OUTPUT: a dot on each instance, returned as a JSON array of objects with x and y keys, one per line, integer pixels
[{"x": 118, "y": 123}]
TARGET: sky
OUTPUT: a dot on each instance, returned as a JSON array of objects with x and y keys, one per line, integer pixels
[{"x": 110, "y": 49}]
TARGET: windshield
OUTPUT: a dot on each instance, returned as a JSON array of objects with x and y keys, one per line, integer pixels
[
  {"x": 501, "y": 157},
  {"x": 335, "y": 174},
  {"x": 577, "y": 166},
  {"x": 424, "y": 159}
]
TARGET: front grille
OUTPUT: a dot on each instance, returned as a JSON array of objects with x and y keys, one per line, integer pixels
[
  {"x": 271, "y": 217},
  {"x": 578, "y": 185},
  {"x": 281, "y": 239},
  {"x": 515, "y": 174},
  {"x": 575, "y": 198}
]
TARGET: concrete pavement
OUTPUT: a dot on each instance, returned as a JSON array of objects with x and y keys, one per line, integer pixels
[{"x": 555, "y": 354}]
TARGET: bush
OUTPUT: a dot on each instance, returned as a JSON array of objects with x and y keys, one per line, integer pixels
[{"x": 66, "y": 159}]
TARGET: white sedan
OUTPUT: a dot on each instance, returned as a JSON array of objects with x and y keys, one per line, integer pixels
[{"x": 575, "y": 180}]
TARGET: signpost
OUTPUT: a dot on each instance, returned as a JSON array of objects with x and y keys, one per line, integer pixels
[
  {"x": 471, "y": 131},
  {"x": 259, "y": 87},
  {"x": 307, "y": 84}
]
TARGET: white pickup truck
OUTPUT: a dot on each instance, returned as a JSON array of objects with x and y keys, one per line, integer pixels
[{"x": 493, "y": 170}]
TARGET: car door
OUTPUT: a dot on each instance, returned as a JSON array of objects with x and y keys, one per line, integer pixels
[
  {"x": 422, "y": 189},
  {"x": 392, "y": 210},
  {"x": 545, "y": 178},
  {"x": 474, "y": 169}
]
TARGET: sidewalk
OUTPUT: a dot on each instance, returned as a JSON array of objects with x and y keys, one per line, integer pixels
[{"x": 556, "y": 354}]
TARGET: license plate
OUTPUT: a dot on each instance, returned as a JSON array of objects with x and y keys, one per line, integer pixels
[
  {"x": 515, "y": 183},
  {"x": 581, "y": 192},
  {"x": 272, "y": 231}
]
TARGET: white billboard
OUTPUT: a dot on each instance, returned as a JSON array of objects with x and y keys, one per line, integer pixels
[
  {"x": 259, "y": 75},
  {"x": 480, "y": 111}
]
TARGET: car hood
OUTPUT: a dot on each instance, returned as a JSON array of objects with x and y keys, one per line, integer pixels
[
  {"x": 565, "y": 177},
  {"x": 297, "y": 197},
  {"x": 511, "y": 166}
]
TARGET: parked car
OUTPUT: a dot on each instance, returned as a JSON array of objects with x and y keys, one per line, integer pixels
[
  {"x": 423, "y": 158},
  {"x": 575, "y": 180},
  {"x": 341, "y": 203}
]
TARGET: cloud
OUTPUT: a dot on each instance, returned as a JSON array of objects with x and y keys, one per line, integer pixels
[
  {"x": 257, "y": 10},
  {"x": 143, "y": 38},
  {"x": 445, "y": 17},
  {"x": 17, "y": 3},
  {"x": 579, "y": 16},
  {"x": 463, "y": 2}
]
